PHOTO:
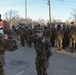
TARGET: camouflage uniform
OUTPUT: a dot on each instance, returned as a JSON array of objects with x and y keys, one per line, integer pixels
[
  {"x": 1, "y": 59},
  {"x": 29, "y": 33},
  {"x": 47, "y": 33},
  {"x": 65, "y": 38},
  {"x": 22, "y": 36},
  {"x": 43, "y": 50},
  {"x": 26, "y": 34},
  {"x": 34, "y": 30},
  {"x": 5, "y": 45},
  {"x": 72, "y": 35},
  {"x": 53, "y": 35},
  {"x": 59, "y": 39}
]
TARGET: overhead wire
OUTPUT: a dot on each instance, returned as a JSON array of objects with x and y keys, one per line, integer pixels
[
  {"x": 64, "y": 2},
  {"x": 42, "y": 2}
]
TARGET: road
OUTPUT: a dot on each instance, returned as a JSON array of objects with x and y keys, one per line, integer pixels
[{"x": 22, "y": 62}]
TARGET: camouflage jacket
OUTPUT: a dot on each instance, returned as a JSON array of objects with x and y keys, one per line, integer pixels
[
  {"x": 60, "y": 34},
  {"x": 47, "y": 33},
  {"x": 7, "y": 45},
  {"x": 43, "y": 48},
  {"x": 72, "y": 34}
]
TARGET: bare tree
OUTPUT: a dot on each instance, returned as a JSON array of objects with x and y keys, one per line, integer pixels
[
  {"x": 56, "y": 20},
  {"x": 73, "y": 13},
  {"x": 41, "y": 21},
  {"x": 12, "y": 16},
  {"x": 35, "y": 23}
]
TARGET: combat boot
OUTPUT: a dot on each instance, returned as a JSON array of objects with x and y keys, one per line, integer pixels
[
  {"x": 29, "y": 45},
  {"x": 1, "y": 70},
  {"x": 71, "y": 50},
  {"x": 59, "y": 49}
]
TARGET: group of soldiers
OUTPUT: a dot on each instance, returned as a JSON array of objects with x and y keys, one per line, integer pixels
[
  {"x": 41, "y": 43},
  {"x": 43, "y": 38},
  {"x": 60, "y": 36}
]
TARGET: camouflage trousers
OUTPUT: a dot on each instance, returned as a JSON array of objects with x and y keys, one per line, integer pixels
[
  {"x": 2, "y": 64},
  {"x": 72, "y": 44},
  {"x": 59, "y": 43},
  {"x": 65, "y": 41},
  {"x": 29, "y": 40},
  {"x": 23, "y": 42},
  {"x": 1, "y": 69},
  {"x": 52, "y": 39},
  {"x": 41, "y": 66},
  {"x": 22, "y": 39},
  {"x": 48, "y": 37}
]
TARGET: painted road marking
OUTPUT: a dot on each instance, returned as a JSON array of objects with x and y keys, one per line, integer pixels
[{"x": 20, "y": 73}]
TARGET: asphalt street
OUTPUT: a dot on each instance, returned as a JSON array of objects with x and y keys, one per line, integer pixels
[{"x": 22, "y": 62}]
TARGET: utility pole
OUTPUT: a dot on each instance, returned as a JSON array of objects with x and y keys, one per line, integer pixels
[
  {"x": 49, "y": 12},
  {"x": 26, "y": 11}
]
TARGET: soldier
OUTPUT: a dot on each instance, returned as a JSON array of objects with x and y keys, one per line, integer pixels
[
  {"x": 1, "y": 56},
  {"x": 47, "y": 33},
  {"x": 59, "y": 38},
  {"x": 53, "y": 35},
  {"x": 26, "y": 29},
  {"x": 34, "y": 29},
  {"x": 72, "y": 36},
  {"x": 29, "y": 33},
  {"x": 22, "y": 35},
  {"x": 5, "y": 45},
  {"x": 43, "y": 53},
  {"x": 13, "y": 37},
  {"x": 1, "y": 53},
  {"x": 65, "y": 38}
]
